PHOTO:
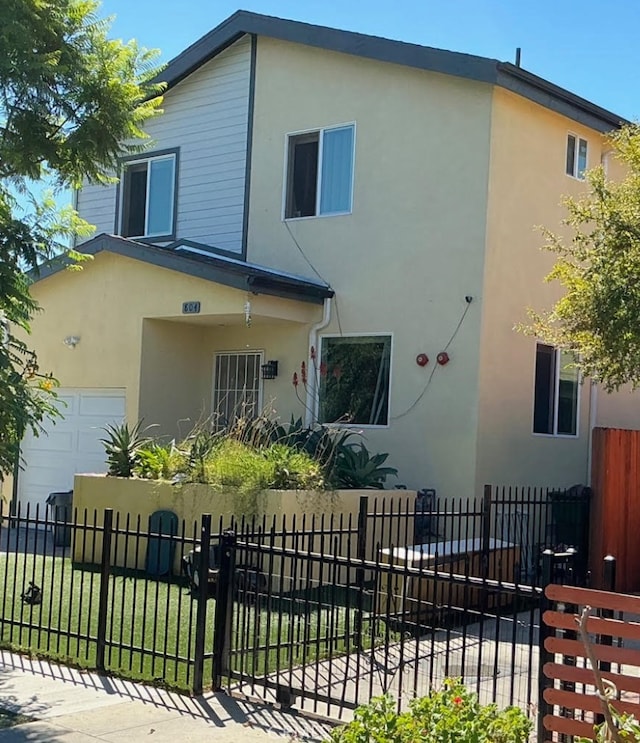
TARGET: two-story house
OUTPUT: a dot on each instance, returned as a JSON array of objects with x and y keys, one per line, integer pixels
[{"x": 375, "y": 201}]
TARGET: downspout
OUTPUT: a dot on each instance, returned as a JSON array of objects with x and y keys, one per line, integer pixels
[
  {"x": 593, "y": 419},
  {"x": 312, "y": 376}
]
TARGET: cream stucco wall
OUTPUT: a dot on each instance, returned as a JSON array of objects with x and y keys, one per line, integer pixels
[
  {"x": 137, "y": 500},
  {"x": 132, "y": 336},
  {"x": 178, "y": 365},
  {"x": 527, "y": 182},
  {"x": 619, "y": 409},
  {"x": 413, "y": 247}
]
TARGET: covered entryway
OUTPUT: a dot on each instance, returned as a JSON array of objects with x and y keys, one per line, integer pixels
[{"x": 70, "y": 445}]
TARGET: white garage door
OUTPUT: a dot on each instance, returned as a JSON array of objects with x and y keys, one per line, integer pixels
[{"x": 72, "y": 444}]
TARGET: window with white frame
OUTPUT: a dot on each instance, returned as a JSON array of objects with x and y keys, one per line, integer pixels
[
  {"x": 556, "y": 397},
  {"x": 355, "y": 374},
  {"x": 319, "y": 178},
  {"x": 576, "y": 156},
  {"x": 236, "y": 387},
  {"x": 147, "y": 196}
]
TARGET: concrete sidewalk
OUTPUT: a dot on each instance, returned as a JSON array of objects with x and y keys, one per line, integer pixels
[{"x": 71, "y": 706}]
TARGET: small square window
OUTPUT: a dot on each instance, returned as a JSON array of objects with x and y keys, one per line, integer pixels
[
  {"x": 354, "y": 380},
  {"x": 576, "y": 156},
  {"x": 147, "y": 197},
  {"x": 557, "y": 385},
  {"x": 319, "y": 173}
]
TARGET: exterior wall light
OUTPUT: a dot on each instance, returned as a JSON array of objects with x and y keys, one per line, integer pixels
[
  {"x": 71, "y": 341},
  {"x": 269, "y": 370}
]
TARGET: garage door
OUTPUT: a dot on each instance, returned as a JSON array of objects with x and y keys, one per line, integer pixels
[{"x": 71, "y": 445}]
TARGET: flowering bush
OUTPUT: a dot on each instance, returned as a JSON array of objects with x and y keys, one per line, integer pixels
[{"x": 451, "y": 714}]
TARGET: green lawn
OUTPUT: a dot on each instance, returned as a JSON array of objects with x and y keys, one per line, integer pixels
[{"x": 151, "y": 623}]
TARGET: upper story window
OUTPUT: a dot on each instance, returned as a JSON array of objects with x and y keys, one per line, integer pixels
[
  {"x": 355, "y": 374},
  {"x": 576, "y": 156},
  {"x": 556, "y": 397},
  {"x": 147, "y": 196},
  {"x": 319, "y": 176}
]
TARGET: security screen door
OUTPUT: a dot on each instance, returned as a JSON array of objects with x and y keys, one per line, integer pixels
[{"x": 236, "y": 387}]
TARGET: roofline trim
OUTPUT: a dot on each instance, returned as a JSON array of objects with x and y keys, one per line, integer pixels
[
  {"x": 457, "y": 64},
  {"x": 247, "y": 278}
]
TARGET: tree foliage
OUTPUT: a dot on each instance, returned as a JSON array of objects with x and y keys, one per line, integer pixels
[
  {"x": 598, "y": 266},
  {"x": 72, "y": 102}
]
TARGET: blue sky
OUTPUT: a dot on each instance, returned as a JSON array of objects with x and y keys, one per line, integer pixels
[{"x": 592, "y": 48}]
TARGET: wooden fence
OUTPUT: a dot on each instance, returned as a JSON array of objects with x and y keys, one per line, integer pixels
[
  {"x": 615, "y": 506},
  {"x": 569, "y": 704}
]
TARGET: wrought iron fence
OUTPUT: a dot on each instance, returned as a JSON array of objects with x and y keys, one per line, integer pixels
[
  {"x": 324, "y": 610},
  {"x": 330, "y": 631}
]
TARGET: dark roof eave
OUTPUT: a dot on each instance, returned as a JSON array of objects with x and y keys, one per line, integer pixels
[
  {"x": 232, "y": 276},
  {"x": 557, "y": 99},
  {"x": 286, "y": 288},
  {"x": 479, "y": 69},
  {"x": 347, "y": 42}
]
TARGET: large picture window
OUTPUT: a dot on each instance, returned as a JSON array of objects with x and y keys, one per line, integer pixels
[
  {"x": 557, "y": 385},
  {"x": 147, "y": 197},
  {"x": 354, "y": 380}
]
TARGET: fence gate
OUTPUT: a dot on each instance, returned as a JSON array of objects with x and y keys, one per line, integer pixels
[
  {"x": 341, "y": 620},
  {"x": 324, "y": 612}
]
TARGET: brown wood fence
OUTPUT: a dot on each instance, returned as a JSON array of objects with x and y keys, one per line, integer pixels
[
  {"x": 572, "y": 704},
  {"x": 615, "y": 506}
]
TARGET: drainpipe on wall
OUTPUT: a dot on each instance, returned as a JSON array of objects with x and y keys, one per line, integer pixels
[
  {"x": 593, "y": 419},
  {"x": 312, "y": 377}
]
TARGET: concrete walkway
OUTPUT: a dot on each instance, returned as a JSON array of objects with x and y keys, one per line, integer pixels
[{"x": 70, "y": 706}]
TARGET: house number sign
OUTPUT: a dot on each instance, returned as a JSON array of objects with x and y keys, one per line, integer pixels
[{"x": 190, "y": 308}]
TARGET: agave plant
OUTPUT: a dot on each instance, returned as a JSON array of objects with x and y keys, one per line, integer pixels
[
  {"x": 123, "y": 445},
  {"x": 356, "y": 468}
]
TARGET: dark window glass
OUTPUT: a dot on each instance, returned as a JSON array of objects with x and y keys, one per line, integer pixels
[
  {"x": 134, "y": 200},
  {"x": 568, "y": 395},
  {"x": 354, "y": 380},
  {"x": 571, "y": 155},
  {"x": 303, "y": 176},
  {"x": 582, "y": 157},
  {"x": 543, "y": 406}
]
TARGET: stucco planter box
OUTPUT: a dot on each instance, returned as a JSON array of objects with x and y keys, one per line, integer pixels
[{"x": 133, "y": 499}]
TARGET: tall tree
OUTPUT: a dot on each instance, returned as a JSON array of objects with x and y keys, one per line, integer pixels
[
  {"x": 598, "y": 266},
  {"x": 72, "y": 102}
]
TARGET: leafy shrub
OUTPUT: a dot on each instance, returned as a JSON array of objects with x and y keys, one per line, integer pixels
[
  {"x": 201, "y": 446},
  {"x": 233, "y": 464},
  {"x": 627, "y": 727},
  {"x": 251, "y": 455},
  {"x": 449, "y": 715},
  {"x": 293, "y": 470},
  {"x": 158, "y": 462}
]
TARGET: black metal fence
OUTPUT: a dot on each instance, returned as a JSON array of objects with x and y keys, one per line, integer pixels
[
  {"x": 95, "y": 592},
  {"x": 325, "y": 611}
]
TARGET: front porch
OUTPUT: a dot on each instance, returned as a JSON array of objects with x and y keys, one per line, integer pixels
[{"x": 194, "y": 368}]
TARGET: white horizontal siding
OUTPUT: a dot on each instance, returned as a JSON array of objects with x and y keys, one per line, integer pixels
[
  {"x": 97, "y": 204},
  {"x": 206, "y": 116}
]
